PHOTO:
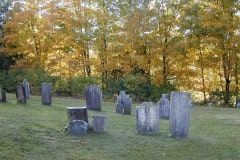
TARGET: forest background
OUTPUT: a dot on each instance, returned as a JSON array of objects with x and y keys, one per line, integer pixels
[{"x": 145, "y": 47}]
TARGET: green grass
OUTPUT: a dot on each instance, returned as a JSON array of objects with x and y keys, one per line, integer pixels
[{"x": 36, "y": 132}]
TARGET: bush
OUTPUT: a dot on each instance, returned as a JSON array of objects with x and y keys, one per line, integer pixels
[
  {"x": 35, "y": 77},
  {"x": 141, "y": 88},
  {"x": 74, "y": 86},
  {"x": 112, "y": 87}
]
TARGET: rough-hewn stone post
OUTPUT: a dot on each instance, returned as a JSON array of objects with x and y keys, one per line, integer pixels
[
  {"x": 99, "y": 124},
  {"x": 238, "y": 103},
  {"x": 164, "y": 107},
  {"x": 3, "y": 97},
  {"x": 94, "y": 98},
  {"x": 179, "y": 122},
  {"x": 79, "y": 113},
  {"x": 46, "y": 94},
  {"x": 147, "y": 119},
  {"x": 21, "y": 94},
  {"x": 25, "y": 84},
  {"x": 124, "y": 103}
]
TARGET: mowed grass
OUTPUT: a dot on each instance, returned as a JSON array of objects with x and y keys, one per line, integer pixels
[{"x": 36, "y": 132}]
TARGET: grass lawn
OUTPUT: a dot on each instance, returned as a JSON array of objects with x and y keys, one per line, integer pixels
[{"x": 36, "y": 132}]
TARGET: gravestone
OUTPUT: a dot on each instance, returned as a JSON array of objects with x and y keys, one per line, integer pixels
[
  {"x": 94, "y": 98},
  {"x": 46, "y": 94},
  {"x": 238, "y": 103},
  {"x": 164, "y": 107},
  {"x": 77, "y": 127},
  {"x": 25, "y": 84},
  {"x": 179, "y": 121},
  {"x": 99, "y": 124},
  {"x": 210, "y": 105},
  {"x": 77, "y": 113},
  {"x": 21, "y": 94},
  {"x": 3, "y": 97},
  {"x": 147, "y": 119},
  {"x": 124, "y": 103}
]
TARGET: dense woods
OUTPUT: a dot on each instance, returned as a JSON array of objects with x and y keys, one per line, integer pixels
[{"x": 146, "y": 47}]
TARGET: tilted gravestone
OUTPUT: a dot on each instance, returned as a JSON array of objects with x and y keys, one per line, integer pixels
[
  {"x": 99, "y": 124},
  {"x": 164, "y": 107},
  {"x": 147, "y": 119},
  {"x": 124, "y": 103},
  {"x": 3, "y": 97},
  {"x": 21, "y": 94},
  {"x": 179, "y": 121},
  {"x": 94, "y": 98},
  {"x": 77, "y": 127},
  {"x": 46, "y": 94},
  {"x": 25, "y": 84},
  {"x": 79, "y": 113}
]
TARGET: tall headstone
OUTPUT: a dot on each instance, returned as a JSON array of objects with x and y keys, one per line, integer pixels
[
  {"x": 94, "y": 98},
  {"x": 238, "y": 103},
  {"x": 46, "y": 94},
  {"x": 79, "y": 113},
  {"x": 210, "y": 105},
  {"x": 147, "y": 119},
  {"x": 124, "y": 103},
  {"x": 99, "y": 124},
  {"x": 179, "y": 122},
  {"x": 164, "y": 107},
  {"x": 21, "y": 94},
  {"x": 25, "y": 84},
  {"x": 3, "y": 97}
]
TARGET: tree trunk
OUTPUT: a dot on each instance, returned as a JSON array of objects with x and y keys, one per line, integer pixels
[
  {"x": 164, "y": 56},
  {"x": 227, "y": 70},
  {"x": 203, "y": 78},
  {"x": 236, "y": 82},
  {"x": 204, "y": 87}
]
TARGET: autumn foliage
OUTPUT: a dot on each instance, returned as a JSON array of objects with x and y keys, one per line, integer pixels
[{"x": 192, "y": 45}]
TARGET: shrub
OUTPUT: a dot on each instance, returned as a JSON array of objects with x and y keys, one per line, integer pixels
[
  {"x": 74, "y": 86},
  {"x": 35, "y": 77}
]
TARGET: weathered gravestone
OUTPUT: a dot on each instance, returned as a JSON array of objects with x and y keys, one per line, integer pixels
[
  {"x": 77, "y": 113},
  {"x": 147, "y": 119},
  {"x": 46, "y": 94},
  {"x": 25, "y": 84},
  {"x": 99, "y": 124},
  {"x": 94, "y": 98},
  {"x": 210, "y": 105},
  {"x": 3, "y": 97},
  {"x": 77, "y": 127},
  {"x": 164, "y": 107},
  {"x": 238, "y": 103},
  {"x": 179, "y": 121},
  {"x": 21, "y": 94},
  {"x": 124, "y": 103}
]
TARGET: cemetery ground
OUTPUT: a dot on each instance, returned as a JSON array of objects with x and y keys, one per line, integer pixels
[{"x": 36, "y": 132}]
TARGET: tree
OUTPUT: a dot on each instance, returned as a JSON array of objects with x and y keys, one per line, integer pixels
[
  {"x": 225, "y": 22},
  {"x": 23, "y": 33},
  {"x": 5, "y": 61}
]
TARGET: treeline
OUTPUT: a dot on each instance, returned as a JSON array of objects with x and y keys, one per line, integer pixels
[{"x": 140, "y": 46}]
